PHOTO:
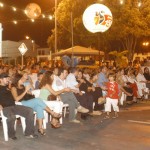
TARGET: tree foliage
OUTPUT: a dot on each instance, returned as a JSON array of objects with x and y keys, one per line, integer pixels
[
  {"x": 130, "y": 23},
  {"x": 120, "y": 57}
]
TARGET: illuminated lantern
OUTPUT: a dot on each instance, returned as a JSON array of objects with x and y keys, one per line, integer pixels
[
  {"x": 33, "y": 10},
  {"x": 97, "y": 18}
]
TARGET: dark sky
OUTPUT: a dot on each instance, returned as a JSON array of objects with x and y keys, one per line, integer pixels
[{"x": 38, "y": 31}]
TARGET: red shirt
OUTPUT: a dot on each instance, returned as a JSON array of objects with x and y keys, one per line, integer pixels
[{"x": 112, "y": 90}]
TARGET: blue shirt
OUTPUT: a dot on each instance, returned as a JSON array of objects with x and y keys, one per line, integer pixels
[{"x": 102, "y": 79}]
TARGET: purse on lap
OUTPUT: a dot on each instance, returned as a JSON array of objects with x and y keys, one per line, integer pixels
[{"x": 51, "y": 98}]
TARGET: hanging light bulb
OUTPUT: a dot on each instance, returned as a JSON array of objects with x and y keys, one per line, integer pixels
[
  {"x": 32, "y": 20},
  {"x": 50, "y": 17},
  {"x": 121, "y": 2},
  {"x": 43, "y": 15},
  {"x": 1, "y": 5},
  {"x": 139, "y": 4},
  {"x": 25, "y": 11},
  {"x": 14, "y": 8},
  {"x": 15, "y": 22}
]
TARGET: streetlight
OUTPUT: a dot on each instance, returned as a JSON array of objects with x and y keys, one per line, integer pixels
[
  {"x": 145, "y": 43},
  {"x": 55, "y": 28}
]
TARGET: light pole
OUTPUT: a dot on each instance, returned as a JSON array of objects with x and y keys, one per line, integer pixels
[{"x": 55, "y": 27}]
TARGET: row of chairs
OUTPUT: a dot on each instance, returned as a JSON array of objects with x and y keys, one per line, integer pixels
[{"x": 47, "y": 117}]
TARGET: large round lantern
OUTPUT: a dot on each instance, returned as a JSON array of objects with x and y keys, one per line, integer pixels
[
  {"x": 33, "y": 10},
  {"x": 97, "y": 18}
]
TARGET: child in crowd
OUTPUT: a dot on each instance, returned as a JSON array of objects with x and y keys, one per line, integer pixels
[{"x": 112, "y": 96}]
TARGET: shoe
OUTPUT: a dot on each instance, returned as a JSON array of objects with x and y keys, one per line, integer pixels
[
  {"x": 55, "y": 126},
  {"x": 82, "y": 109},
  {"x": 107, "y": 117},
  {"x": 55, "y": 123},
  {"x": 32, "y": 136},
  {"x": 115, "y": 117},
  {"x": 41, "y": 131},
  {"x": 96, "y": 113},
  {"x": 14, "y": 138},
  {"x": 75, "y": 121}
]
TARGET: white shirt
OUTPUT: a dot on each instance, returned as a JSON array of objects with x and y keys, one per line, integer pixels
[
  {"x": 58, "y": 84},
  {"x": 140, "y": 77},
  {"x": 71, "y": 81}
]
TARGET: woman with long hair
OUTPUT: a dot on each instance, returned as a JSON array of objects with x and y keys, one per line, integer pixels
[
  {"x": 23, "y": 94},
  {"x": 49, "y": 96}
]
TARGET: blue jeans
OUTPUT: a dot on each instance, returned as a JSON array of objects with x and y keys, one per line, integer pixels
[{"x": 37, "y": 105}]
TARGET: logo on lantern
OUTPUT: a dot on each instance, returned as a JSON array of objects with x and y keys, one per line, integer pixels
[{"x": 97, "y": 18}]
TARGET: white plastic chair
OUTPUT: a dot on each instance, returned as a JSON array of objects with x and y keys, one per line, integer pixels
[
  {"x": 36, "y": 93},
  {"x": 5, "y": 127},
  {"x": 123, "y": 98},
  {"x": 65, "y": 106},
  {"x": 19, "y": 103}
]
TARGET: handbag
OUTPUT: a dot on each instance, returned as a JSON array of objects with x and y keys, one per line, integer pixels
[{"x": 51, "y": 98}]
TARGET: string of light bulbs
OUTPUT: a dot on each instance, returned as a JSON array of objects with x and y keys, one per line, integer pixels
[{"x": 15, "y": 9}]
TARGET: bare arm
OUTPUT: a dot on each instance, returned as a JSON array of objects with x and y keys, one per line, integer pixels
[
  {"x": 57, "y": 92},
  {"x": 15, "y": 94}
]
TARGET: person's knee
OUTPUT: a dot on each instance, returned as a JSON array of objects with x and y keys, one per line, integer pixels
[{"x": 11, "y": 118}]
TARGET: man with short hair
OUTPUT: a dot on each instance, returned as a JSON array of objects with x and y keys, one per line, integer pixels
[
  {"x": 84, "y": 100},
  {"x": 59, "y": 83},
  {"x": 10, "y": 110},
  {"x": 102, "y": 79}
]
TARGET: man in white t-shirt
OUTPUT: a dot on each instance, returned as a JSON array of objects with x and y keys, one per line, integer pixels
[
  {"x": 59, "y": 83},
  {"x": 82, "y": 97}
]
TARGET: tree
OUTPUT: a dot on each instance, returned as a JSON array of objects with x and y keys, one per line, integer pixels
[
  {"x": 130, "y": 24},
  {"x": 120, "y": 58}
]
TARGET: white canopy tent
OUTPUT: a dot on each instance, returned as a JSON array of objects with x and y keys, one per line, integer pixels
[{"x": 79, "y": 51}]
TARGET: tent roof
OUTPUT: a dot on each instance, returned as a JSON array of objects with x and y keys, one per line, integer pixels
[{"x": 79, "y": 51}]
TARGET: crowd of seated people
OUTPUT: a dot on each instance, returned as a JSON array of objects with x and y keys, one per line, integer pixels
[{"x": 81, "y": 89}]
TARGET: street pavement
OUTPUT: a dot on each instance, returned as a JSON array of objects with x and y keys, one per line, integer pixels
[{"x": 131, "y": 131}]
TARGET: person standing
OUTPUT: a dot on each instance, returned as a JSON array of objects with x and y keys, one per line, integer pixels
[{"x": 112, "y": 96}]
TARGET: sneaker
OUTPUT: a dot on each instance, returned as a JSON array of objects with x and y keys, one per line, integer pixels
[
  {"x": 96, "y": 113},
  {"x": 82, "y": 109},
  {"x": 14, "y": 138},
  {"x": 32, "y": 136},
  {"x": 75, "y": 121}
]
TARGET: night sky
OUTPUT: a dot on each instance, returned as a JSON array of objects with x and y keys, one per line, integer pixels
[{"x": 38, "y": 31}]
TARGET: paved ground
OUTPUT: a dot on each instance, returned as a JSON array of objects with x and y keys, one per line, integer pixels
[{"x": 123, "y": 133}]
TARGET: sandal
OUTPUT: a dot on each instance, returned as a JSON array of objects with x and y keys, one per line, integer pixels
[
  {"x": 41, "y": 131},
  {"x": 55, "y": 123},
  {"x": 56, "y": 115},
  {"x": 114, "y": 117},
  {"x": 107, "y": 117}
]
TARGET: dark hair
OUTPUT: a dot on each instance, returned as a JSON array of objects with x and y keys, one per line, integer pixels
[
  {"x": 93, "y": 74},
  {"x": 112, "y": 75},
  {"x": 46, "y": 79},
  {"x": 40, "y": 73},
  {"x": 102, "y": 67},
  {"x": 61, "y": 70},
  {"x": 16, "y": 79},
  {"x": 73, "y": 69},
  {"x": 146, "y": 68}
]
